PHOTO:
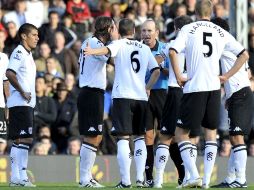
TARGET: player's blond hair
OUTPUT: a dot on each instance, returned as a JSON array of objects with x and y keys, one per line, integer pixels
[{"x": 204, "y": 8}]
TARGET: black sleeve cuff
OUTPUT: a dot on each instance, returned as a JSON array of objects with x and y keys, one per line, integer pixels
[
  {"x": 173, "y": 49},
  {"x": 109, "y": 52},
  {"x": 155, "y": 68},
  {"x": 240, "y": 53},
  {"x": 12, "y": 71}
]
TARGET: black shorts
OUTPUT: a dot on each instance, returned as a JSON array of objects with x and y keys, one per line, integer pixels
[
  {"x": 156, "y": 102},
  {"x": 129, "y": 117},
  {"x": 90, "y": 111},
  {"x": 240, "y": 108},
  {"x": 171, "y": 110},
  {"x": 21, "y": 121},
  {"x": 200, "y": 108},
  {"x": 3, "y": 125}
]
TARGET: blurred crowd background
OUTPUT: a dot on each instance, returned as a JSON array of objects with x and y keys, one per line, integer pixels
[{"x": 63, "y": 26}]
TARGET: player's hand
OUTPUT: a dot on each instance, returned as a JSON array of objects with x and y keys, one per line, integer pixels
[
  {"x": 27, "y": 96},
  {"x": 88, "y": 50},
  {"x": 181, "y": 80},
  {"x": 114, "y": 33},
  {"x": 223, "y": 79},
  {"x": 148, "y": 93}
]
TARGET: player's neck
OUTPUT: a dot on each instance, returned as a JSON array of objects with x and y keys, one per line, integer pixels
[
  {"x": 26, "y": 46},
  {"x": 128, "y": 36},
  {"x": 103, "y": 40},
  {"x": 204, "y": 18}
]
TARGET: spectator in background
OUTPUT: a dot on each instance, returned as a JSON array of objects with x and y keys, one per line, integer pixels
[
  {"x": 49, "y": 145},
  {"x": 116, "y": 12},
  {"x": 169, "y": 7},
  {"x": 35, "y": 8},
  {"x": 45, "y": 110},
  {"x": 66, "y": 108},
  {"x": 39, "y": 149},
  {"x": 71, "y": 85},
  {"x": 57, "y": 6},
  {"x": 225, "y": 147},
  {"x": 55, "y": 81},
  {"x": 2, "y": 40},
  {"x": 142, "y": 13},
  {"x": 3, "y": 146},
  {"x": 219, "y": 11},
  {"x": 44, "y": 54},
  {"x": 74, "y": 145},
  {"x": 71, "y": 28},
  {"x": 130, "y": 14},
  {"x": 158, "y": 19},
  {"x": 66, "y": 57},
  {"x": 251, "y": 53},
  {"x": 12, "y": 40},
  {"x": 44, "y": 130},
  {"x": 47, "y": 31},
  {"x": 191, "y": 8},
  {"x": 81, "y": 16},
  {"x": 52, "y": 67},
  {"x": 76, "y": 47}
]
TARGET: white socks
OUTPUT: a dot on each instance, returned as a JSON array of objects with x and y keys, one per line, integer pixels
[
  {"x": 87, "y": 159},
  {"x": 124, "y": 160},
  {"x": 140, "y": 154},
  {"x": 15, "y": 177},
  {"x": 231, "y": 168},
  {"x": 161, "y": 158},
  {"x": 240, "y": 159},
  {"x": 209, "y": 160},
  {"x": 188, "y": 160},
  {"x": 23, "y": 160}
]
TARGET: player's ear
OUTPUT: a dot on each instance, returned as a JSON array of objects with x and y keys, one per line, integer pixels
[{"x": 23, "y": 36}]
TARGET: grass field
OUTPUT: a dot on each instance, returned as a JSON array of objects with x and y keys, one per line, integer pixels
[{"x": 58, "y": 186}]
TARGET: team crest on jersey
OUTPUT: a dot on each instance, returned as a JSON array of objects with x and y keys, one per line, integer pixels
[{"x": 17, "y": 56}]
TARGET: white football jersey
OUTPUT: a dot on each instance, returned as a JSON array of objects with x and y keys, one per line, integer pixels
[
  {"x": 181, "y": 60},
  {"x": 92, "y": 68},
  {"x": 203, "y": 43},
  {"x": 3, "y": 66},
  {"x": 132, "y": 59},
  {"x": 238, "y": 80},
  {"x": 22, "y": 63}
]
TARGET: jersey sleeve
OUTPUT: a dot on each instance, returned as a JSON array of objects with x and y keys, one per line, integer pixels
[
  {"x": 164, "y": 51},
  {"x": 152, "y": 63},
  {"x": 233, "y": 45},
  {"x": 180, "y": 42},
  {"x": 114, "y": 47},
  {"x": 16, "y": 61}
]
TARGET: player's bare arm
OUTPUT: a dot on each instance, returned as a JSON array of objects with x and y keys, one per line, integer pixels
[
  {"x": 174, "y": 61},
  {"x": 154, "y": 77},
  {"x": 160, "y": 60},
  {"x": 14, "y": 82},
  {"x": 238, "y": 64},
  {"x": 98, "y": 51}
]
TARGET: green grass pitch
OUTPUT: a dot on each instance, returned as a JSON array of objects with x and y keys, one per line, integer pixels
[{"x": 61, "y": 186}]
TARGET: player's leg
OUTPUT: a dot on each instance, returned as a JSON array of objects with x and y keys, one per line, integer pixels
[
  {"x": 21, "y": 119},
  {"x": 191, "y": 114},
  {"x": 240, "y": 111},
  {"x": 14, "y": 134},
  {"x": 90, "y": 118},
  {"x": 122, "y": 129},
  {"x": 149, "y": 140},
  {"x": 140, "y": 151},
  {"x": 211, "y": 122}
]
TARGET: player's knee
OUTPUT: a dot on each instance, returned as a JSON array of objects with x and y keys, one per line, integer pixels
[
  {"x": 93, "y": 140},
  {"x": 165, "y": 139},
  {"x": 26, "y": 140},
  {"x": 210, "y": 134},
  {"x": 237, "y": 139},
  {"x": 149, "y": 137}
]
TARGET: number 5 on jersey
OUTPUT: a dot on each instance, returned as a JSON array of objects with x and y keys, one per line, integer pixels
[{"x": 207, "y": 43}]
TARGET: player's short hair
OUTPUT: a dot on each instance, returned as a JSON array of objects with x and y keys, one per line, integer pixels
[
  {"x": 180, "y": 21},
  {"x": 126, "y": 27},
  {"x": 221, "y": 22},
  {"x": 26, "y": 29},
  {"x": 204, "y": 8}
]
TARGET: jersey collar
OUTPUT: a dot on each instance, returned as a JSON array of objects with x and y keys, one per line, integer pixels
[
  {"x": 155, "y": 48},
  {"x": 25, "y": 48}
]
